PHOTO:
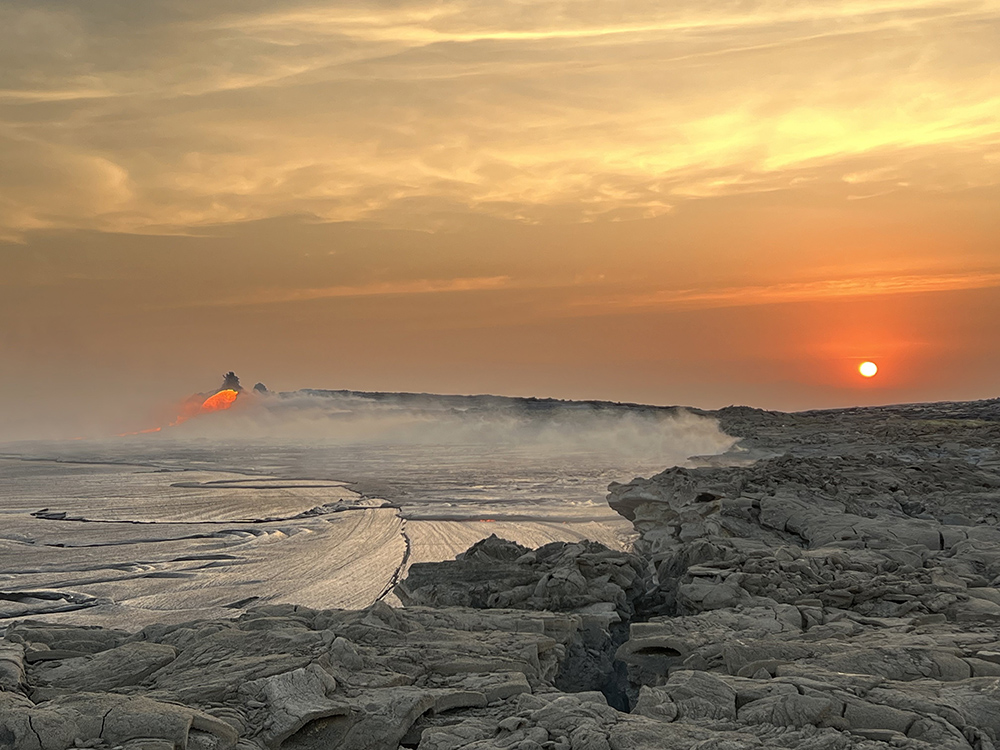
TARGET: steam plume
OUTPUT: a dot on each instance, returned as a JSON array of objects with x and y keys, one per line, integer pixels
[{"x": 541, "y": 426}]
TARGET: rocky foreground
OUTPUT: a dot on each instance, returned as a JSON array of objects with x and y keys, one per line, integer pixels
[{"x": 840, "y": 591}]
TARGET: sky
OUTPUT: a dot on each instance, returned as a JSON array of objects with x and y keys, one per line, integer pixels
[{"x": 701, "y": 203}]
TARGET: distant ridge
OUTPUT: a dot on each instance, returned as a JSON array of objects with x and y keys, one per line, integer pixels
[
  {"x": 986, "y": 409},
  {"x": 485, "y": 401}
]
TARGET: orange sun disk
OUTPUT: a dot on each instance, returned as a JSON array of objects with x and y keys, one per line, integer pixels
[{"x": 868, "y": 369}]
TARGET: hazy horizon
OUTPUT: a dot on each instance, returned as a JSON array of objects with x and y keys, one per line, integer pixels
[{"x": 352, "y": 417}]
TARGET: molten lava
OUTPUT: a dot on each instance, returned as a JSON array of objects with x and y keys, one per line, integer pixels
[
  {"x": 197, "y": 405},
  {"x": 216, "y": 402},
  {"x": 221, "y": 400}
]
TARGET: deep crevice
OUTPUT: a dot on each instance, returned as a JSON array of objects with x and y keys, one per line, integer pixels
[
  {"x": 38, "y": 737},
  {"x": 590, "y": 664},
  {"x": 658, "y": 651},
  {"x": 103, "y": 720}
]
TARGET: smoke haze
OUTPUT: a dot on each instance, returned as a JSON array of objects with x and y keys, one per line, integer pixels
[{"x": 345, "y": 418}]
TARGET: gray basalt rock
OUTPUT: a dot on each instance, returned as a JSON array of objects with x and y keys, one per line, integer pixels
[
  {"x": 81, "y": 640},
  {"x": 12, "y": 677},
  {"x": 597, "y": 585},
  {"x": 24, "y": 726},
  {"x": 558, "y": 577},
  {"x": 287, "y": 702},
  {"x": 293, "y": 679},
  {"x": 690, "y": 695},
  {"x": 117, "y": 667},
  {"x": 112, "y": 719}
]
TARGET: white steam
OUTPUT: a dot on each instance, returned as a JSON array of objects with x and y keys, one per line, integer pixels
[{"x": 639, "y": 434}]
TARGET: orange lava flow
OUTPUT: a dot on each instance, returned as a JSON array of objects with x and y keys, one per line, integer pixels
[
  {"x": 193, "y": 407},
  {"x": 134, "y": 432},
  {"x": 217, "y": 402}
]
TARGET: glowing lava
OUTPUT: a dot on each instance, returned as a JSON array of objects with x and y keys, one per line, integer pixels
[
  {"x": 216, "y": 402},
  {"x": 197, "y": 405},
  {"x": 868, "y": 369}
]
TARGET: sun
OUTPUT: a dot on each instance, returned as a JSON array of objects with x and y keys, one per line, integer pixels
[{"x": 868, "y": 369}]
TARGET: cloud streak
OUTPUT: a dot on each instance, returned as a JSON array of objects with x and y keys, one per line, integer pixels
[
  {"x": 811, "y": 291},
  {"x": 596, "y": 297},
  {"x": 378, "y": 289}
]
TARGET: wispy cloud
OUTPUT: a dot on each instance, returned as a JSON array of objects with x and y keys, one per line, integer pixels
[
  {"x": 599, "y": 297},
  {"x": 378, "y": 289},
  {"x": 529, "y": 111},
  {"x": 513, "y": 21},
  {"x": 51, "y": 95},
  {"x": 810, "y": 291}
]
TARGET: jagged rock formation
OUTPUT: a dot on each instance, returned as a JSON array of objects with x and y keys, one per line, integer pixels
[
  {"x": 277, "y": 677},
  {"x": 847, "y": 585},
  {"x": 597, "y": 585},
  {"x": 841, "y": 593},
  {"x": 586, "y": 578}
]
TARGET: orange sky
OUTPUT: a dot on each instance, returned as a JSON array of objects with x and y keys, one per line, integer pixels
[{"x": 712, "y": 204}]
